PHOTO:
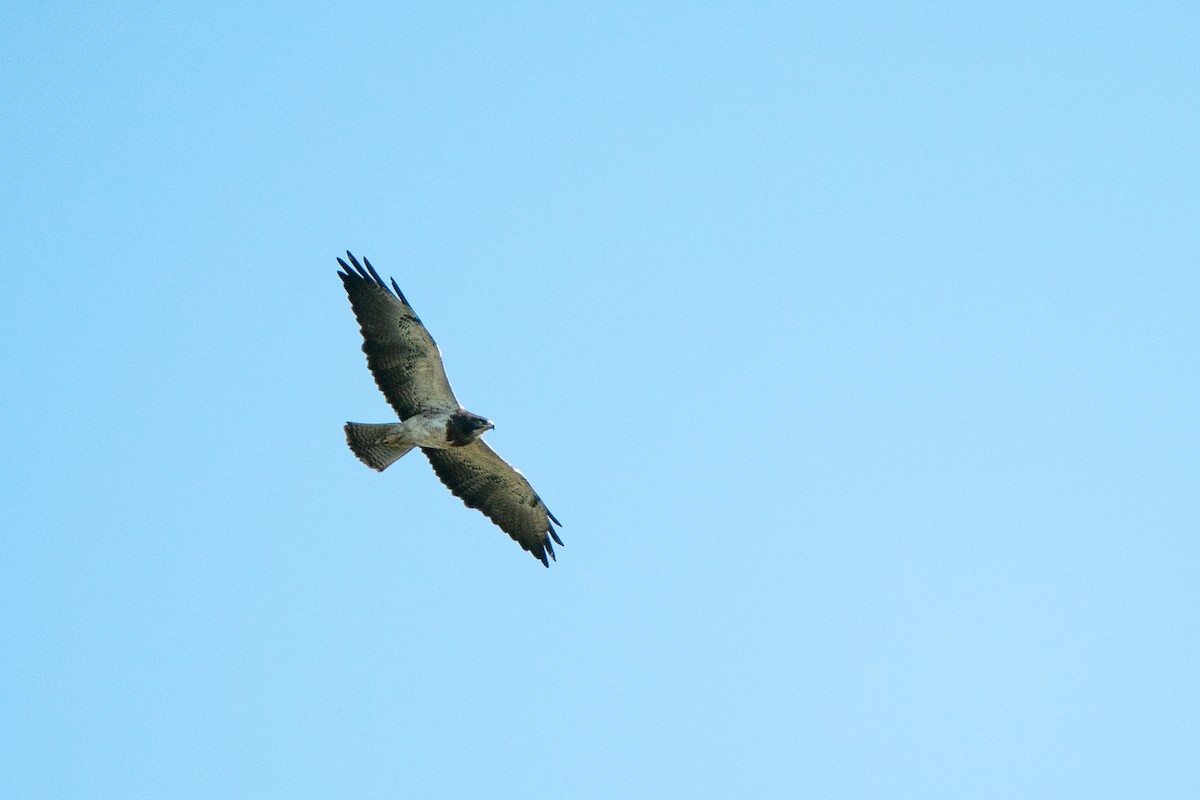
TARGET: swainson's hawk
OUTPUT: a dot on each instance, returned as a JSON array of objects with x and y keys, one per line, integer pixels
[{"x": 408, "y": 370}]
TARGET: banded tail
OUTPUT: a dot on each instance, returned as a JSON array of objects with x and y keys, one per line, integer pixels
[{"x": 370, "y": 444}]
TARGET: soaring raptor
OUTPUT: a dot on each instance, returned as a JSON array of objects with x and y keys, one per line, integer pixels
[{"x": 408, "y": 370}]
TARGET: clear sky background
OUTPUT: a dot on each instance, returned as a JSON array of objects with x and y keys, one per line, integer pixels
[{"x": 855, "y": 347}]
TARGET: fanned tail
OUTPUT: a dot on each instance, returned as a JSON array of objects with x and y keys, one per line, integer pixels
[{"x": 369, "y": 443}]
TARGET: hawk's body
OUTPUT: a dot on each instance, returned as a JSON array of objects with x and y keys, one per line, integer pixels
[{"x": 408, "y": 370}]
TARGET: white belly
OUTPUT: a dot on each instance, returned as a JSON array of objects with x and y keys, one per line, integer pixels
[{"x": 422, "y": 430}]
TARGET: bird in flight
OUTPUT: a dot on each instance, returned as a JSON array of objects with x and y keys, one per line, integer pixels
[{"x": 407, "y": 367}]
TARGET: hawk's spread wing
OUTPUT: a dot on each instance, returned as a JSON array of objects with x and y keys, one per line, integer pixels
[
  {"x": 400, "y": 353},
  {"x": 485, "y": 481}
]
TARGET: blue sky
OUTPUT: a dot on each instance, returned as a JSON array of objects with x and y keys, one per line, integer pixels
[{"x": 855, "y": 347}]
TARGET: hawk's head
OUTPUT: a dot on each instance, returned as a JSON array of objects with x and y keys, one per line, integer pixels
[{"x": 463, "y": 427}]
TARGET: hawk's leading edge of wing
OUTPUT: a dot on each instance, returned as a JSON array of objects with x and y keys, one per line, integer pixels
[
  {"x": 484, "y": 480},
  {"x": 400, "y": 353}
]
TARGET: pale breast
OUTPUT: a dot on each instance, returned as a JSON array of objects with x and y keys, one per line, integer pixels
[{"x": 427, "y": 429}]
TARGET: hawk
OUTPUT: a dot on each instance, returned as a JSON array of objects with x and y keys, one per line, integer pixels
[{"x": 407, "y": 367}]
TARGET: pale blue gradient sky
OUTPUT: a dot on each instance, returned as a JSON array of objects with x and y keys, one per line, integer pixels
[{"x": 855, "y": 348}]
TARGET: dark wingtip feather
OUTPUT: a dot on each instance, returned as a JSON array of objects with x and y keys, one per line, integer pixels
[
  {"x": 374, "y": 274},
  {"x": 350, "y": 273},
  {"x": 362, "y": 273},
  {"x": 399, "y": 293},
  {"x": 367, "y": 274}
]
